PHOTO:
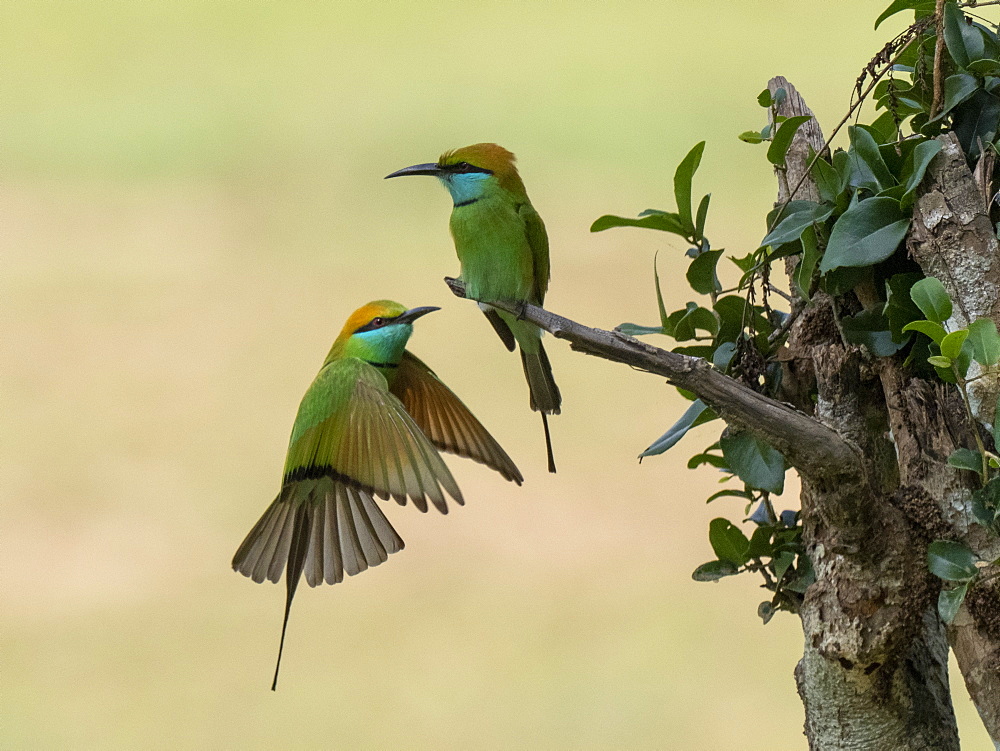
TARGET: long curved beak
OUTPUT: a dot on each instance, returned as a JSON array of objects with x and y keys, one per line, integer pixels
[
  {"x": 413, "y": 314},
  {"x": 417, "y": 169}
]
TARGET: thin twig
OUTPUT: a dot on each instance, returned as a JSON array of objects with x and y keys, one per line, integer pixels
[
  {"x": 784, "y": 328},
  {"x": 938, "y": 62}
]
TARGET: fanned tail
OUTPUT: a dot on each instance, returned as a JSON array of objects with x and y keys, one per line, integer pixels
[{"x": 319, "y": 528}]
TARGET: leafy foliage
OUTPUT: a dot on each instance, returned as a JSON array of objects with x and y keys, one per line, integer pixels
[{"x": 851, "y": 238}]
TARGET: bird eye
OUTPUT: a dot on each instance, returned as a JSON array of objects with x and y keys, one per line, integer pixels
[
  {"x": 463, "y": 167},
  {"x": 378, "y": 321}
]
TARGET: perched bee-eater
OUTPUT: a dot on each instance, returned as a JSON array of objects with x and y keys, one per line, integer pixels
[
  {"x": 370, "y": 425},
  {"x": 504, "y": 254}
]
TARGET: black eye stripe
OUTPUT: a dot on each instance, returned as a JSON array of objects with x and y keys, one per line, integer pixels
[
  {"x": 375, "y": 323},
  {"x": 465, "y": 168}
]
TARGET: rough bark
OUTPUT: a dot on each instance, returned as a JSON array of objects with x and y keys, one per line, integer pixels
[
  {"x": 952, "y": 238},
  {"x": 874, "y": 668}
]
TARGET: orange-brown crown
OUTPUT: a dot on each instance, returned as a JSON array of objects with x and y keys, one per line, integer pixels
[
  {"x": 366, "y": 313},
  {"x": 489, "y": 156}
]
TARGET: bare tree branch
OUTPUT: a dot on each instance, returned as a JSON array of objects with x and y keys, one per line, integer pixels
[{"x": 811, "y": 447}]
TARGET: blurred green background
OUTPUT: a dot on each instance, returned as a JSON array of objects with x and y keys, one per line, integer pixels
[{"x": 192, "y": 203}]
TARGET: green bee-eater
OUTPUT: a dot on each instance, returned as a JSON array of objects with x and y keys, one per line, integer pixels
[
  {"x": 504, "y": 254},
  {"x": 370, "y": 425}
]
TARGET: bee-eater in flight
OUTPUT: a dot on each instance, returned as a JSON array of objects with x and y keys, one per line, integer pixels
[
  {"x": 370, "y": 425},
  {"x": 504, "y": 254}
]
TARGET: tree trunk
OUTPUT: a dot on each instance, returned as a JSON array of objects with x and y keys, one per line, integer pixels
[{"x": 874, "y": 673}]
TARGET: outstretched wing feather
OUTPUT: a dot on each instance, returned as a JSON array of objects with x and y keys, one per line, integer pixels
[{"x": 443, "y": 417}]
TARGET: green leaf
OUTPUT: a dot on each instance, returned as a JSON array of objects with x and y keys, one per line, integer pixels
[
  {"x": 976, "y": 120},
  {"x": 957, "y": 89},
  {"x": 764, "y": 98},
  {"x": 783, "y": 139},
  {"x": 804, "y": 578},
  {"x": 701, "y": 217},
  {"x": 632, "y": 329},
  {"x": 883, "y": 129},
  {"x": 781, "y": 563},
  {"x": 899, "y": 308},
  {"x": 697, "y": 414},
  {"x": 841, "y": 162},
  {"x": 964, "y": 360},
  {"x": 984, "y": 68},
  {"x": 951, "y": 561},
  {"x": 951, "y": 345},
  {"x": 916, "y": 165},
  {"x": 868, "y": 168},
  {"x": 728, "y": 493},
  {"x": 664, "y": 222},
  {"x": 728, "y": 541},
  {"x": 938, "y": 361},
  {"x": 868, "y": 232},
  {"x": 701, "y": 273},
  {"x": 754, "y": 461},
  {"x": 807, "y": 264},
  {"x": 760, "y": 542},
  {"x": 964, "y": 42},
  {"x": 713, "y": 571},
  {"x": 694, "y": 318},
  {"x": 966, "y": 459},
  {"x": 745, "y": 263},
  {"x": 901, "y": 5},
  {"x": 750, "y": 136},
  {"x": 827, "y": 179},
  {"x": 932, "y": 299},
  {"x": 723, "y": 355},
  {"x": 934, "y": 330},
  {"x": 796, "y": 217},
  {"x": 950, "y": 600},
  {"x": 732, "y": 310},
  {"x": 713, "y": 460},
  {"x": 871, "y": 329},
  {"x": 659, "y": 295},
  {"x": 986, "y": 502},
  {"x": 682, "y": 184}
]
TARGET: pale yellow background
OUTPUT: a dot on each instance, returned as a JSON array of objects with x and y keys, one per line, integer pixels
[{"x": 191, "y": 202}]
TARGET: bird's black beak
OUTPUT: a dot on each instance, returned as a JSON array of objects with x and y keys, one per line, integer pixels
[
  {"x": 414, "y": 313},
  {"x": 418, "y": 169}
]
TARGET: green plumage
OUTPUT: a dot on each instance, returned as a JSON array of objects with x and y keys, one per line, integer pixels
[
  {"x": 369, "y": 426},
  {"x": 504, "y": 252}
]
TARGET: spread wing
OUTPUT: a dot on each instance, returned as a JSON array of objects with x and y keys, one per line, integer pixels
[
  {"x": 350, "y": 428},
  {"x": 352, "y": 440},
  {"x": 538, "y": 240},
  {"x": 445, "y": 420}
]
